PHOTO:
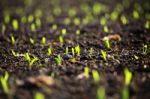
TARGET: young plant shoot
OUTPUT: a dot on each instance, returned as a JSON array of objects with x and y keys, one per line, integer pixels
[
  {"x": 43, "y": 41},
  {"x": 96, "y": 76},
  {"x": 15, "y": 25},
  {"x": 32, "y": 41},
  {"x": 58, "y": 59},
  {"x": 4, "y": 82},
  {"x": 49, "y": 51},
  {"x": 61, "y": 40},
  {"x": 125, "y": 93},
  {"x": 39, "y": 95},
  {"x": 77, "y": 50},
  {"x": 104, "y": 55},
  {"x": 145, "y": 49},
  {"x": 107, "y": 43},
  {"x": 90, "y": 52},
  {"x": 13, "y": 41},
  {"x": 66, "y": 50},
  {"x": 128, "y": 76},
  {"x": 86, "y": 72},
  {"x": 101, "y": 93}
]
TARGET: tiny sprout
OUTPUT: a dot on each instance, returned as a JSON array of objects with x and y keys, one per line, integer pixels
[
  {"x": 30, "y": 18},
  {"x": 3, "y": 28},
  {"x": 54, "y": 27},
  {"x": 4, "y": 82},
  {"x": 101, "y": 93},
  {"x": 135, "y": 14},
  {"x": 145, "y": 49},
  {"x": 27, "y": 56},
  {"x": 66, "y": 50},
  {"x": 91, "y": 52},
  {"x": 78, "y": 50},
  {"x": 96, "y": 76},
  {"x": 7, "y": 19},
  {"x": 76, "y": 21},
  {"x": 39, "y": 95},
  {"x": 33, "y": 27},
  {"x": 128, "y": 76},
  {"x": 125, "y": 93},
  {"x": 78, "y": 32},
  {"x": 86, "y": 72},
  {"x": 15, "y": 24},
  {"x": 106, "y": 30},
  {"x": 73, "y": 52},
  {"x": 136, "y": 57},
  {"x": 14, "y": 53},
  {"x": 124, "y": 20},
  {"x": 103, "y": 21},
  {"x": 32, "y": 41},
  {"x": 67, "y": 21},
  {"x": 104, "y": 55},
  {"x": 58, "y": 59},
  {"x": 49, "y": 51},
  {"x": 63, "y": 31},
  {"x": 147, "y": 25},
  {"x": 43, "y": 41},
  {"x": 52, "y": 74},
  {"x": 38, "y": 22},
  {"x": 107, "y": 43},
  {"x": 61, "y": 40},
  {"x": 13, "y": 40}
]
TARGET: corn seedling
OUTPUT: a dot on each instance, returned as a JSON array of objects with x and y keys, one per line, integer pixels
[
  {"x": 128, "y": 76},
  {"x": 76, "y": 21},
  {"x": 24, "y": 19},
  {"x": 13, "y": 41},
  {"x": 72, "y": 12},
  {"x": 15, "y": 24},
  {"x": 61, "y": 40},
  {"x": 103, "y": 21},
  {"x": 106, "y": 30},
  {"x": 58, "y": 59},
  {"x": 96, "y": 8},
  {"x": 77, "y": 50},
  {"x": 4, "y": 82},
  {"x": 107, "y": 43},
  {"x": 145, "y": 49},
  {"x": 30, "y": 18},
  {"x": 63, "y": 31},
  {"x": 43, "y": 41},
  {"x": 90, "y": 52},
  {"x": 86, "y": 72},
  {"x": 14, "y": 53},
  {"x": 32, "y": 41},
  {"x": 67, "y": 21},
  {"x": 101, "y": 93},
  {"x": 66, "y": 51},
  {"x": 49, "y": 51},
  {"x": 30, "y": 61},
  {"x": 78, "y": 32},
  {"x": 147, "y": 25},
  {"x": 39, "y": 95},
  {"x": 114, "y": 15},
  {"x": 136, "y": 57},
  {"x": 3, "y": 28},
  {"x": 33, "y": 27},
  {"x": 104, "y": 55},
  {"x": 7, "y": 18},
  {"x": 125, "y": 93},
  {"x": 123, "y": 20},
  {"x": 135, "y": 14},
  {"x": 54, "y": 27},
  {"x": 96, "y": 76},
  {"x": 38, "y": 22},
  {"x": 73, "y": 52}
]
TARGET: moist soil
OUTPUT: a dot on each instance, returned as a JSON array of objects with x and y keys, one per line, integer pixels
[{"x": 68, "y": 80}]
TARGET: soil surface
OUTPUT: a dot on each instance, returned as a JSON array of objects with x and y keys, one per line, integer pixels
[{"x": 39, "y": 19}]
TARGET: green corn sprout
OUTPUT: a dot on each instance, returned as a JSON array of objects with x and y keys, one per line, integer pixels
[
  {"x": 43, "y": 41},
  {"x": 96, "y": 76},
  {"x": 78, "y": 50},
  {"x": 15, "y": 24},
  {"x": 91, "y": 52},
  {"x": 13, "y": 41},
  {"x": 39, "y": 95},
  {"x": 61, "y": 40},
  {"x": 101, "y": 93},
  {"x": 104, "y": 55},
  {"x": 32, "y": 41},
  {"x": 33, "y": 27},
  {"x": 86, "y": 72},
  {"x": 128, "y": 76},
  {"x": 136, "y": 57},
  {"x": 49, "y": 51},
  {"x": 73, "y": 52},
  {"x": 103, "y": 21},
  {"x": 107, "y": 43},
  {"x": 38, "y": 22},
  {"x": 7, "y": 18},
  {"x": 66, "y": 50},
  {"x": 54, "y": 27},
  {"x": 145, "y": 49},
  {"x": 4, "y": 82},
  {"x": 125, "y": 93},
  {"x": 76, "y": 21},
  {"x": 63, "y": 31},
  {"x": 136, "y": 14},
  {"x": 123, "y": 20},
  {"x": 26, "y": 55},
  {"x": 30, "y": 18},
  {"x": 58, "y": 59},
  {"x": 106, "y": 30},
  {"x": 14, "y": 53},
  {"x": 78, "y": 32},
  {"x": 3, "y": 28},
  {"x": 147, "y": 25}
]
